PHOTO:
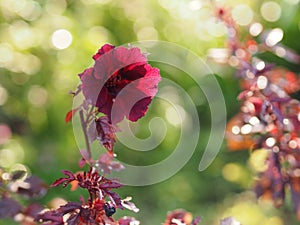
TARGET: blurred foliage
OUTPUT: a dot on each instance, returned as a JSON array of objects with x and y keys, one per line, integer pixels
[{"x": 37, "y": 72}]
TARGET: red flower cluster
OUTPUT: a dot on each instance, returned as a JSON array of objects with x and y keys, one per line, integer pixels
[
  {"x": 269, "y": 119},
  {"x": 121, "y": 83}
]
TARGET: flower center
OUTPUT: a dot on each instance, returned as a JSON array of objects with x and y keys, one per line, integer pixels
[{"x": 113, "y": 80}]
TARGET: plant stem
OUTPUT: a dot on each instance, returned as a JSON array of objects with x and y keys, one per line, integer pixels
[{"x": 84, "y": 128}]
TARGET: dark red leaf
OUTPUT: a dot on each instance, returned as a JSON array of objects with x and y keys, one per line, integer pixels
[
  {"x": 64, "y": 180},
  {"x": 196, "y": 221},
  {"x": 60, "y": 181},
  {"x": 295, "y": 190},
  {"x": 33, "y": 210},
  {"x": 73, "y": 219},
  {"x": 52, "y": 216},
  {"x": 106, "y": 132},
  {"x": 70, "y": 115},
  {"x": 56, "y": 216},
  {"x": 110, "y": 185},
  {"x": 36, "y": 187},
  {"x": 9, "y": 207},
  {"x": 271, "y": 183},
  {"x": 115, "y": 199}
]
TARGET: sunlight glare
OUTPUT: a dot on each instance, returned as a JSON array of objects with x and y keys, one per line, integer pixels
[{"x": 61, "y": 39}]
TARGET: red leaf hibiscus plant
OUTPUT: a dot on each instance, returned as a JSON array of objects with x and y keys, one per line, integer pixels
[{"x": 121, "y": 84}]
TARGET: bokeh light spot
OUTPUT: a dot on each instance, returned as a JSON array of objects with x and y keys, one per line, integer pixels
[
  {"x": 274, "y": 37},
  {"x": 293, "y": 144},
  {"x": 31, "y": 11},
  {"x": 235, "y": 130},
  {"x": 232, "y": 172},
  {"x": 260, "y": 65},
  {"x": 37, "y": 96},
  {"x": 99, "y": 35},
  {"x": 13, "y": 6},
  {"x": 61, "y": 39},
  {"x": 214, "y": 28},
  {"x": 254, "y": 120},
  {"x": 262, "y": 82},
  {"x": 11, "y": 154},
  {"x": 7, "y": 158},
  {"x": 270, "y": 142},
  {"x": 147, "y": 33},
  {"x": 280, "y": 51},
  {"x": 195, "y": 5},
  {"x": 242, "y": 14},
  {"x": 56, "y": 6},
  {"x": 255, "y": 29},
  {"x": 246, "y": 129},
  {"x": 6, "y": 54},
  {"x": 270, "y": 11},
  {"x": 292, "y": 2},
  {"x": 22, "y": 35},
  {"x": 257, "y": 160},
  {"x": 3, "y": 95},
  {"x": 219, "y": 55},
  {"x": 31, "y": 64}
]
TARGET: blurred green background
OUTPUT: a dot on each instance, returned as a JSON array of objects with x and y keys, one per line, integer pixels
[{"x": 45, "y": 44}]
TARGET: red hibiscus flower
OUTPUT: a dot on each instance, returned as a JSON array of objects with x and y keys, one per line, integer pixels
[{"x": 121, "y": 83}]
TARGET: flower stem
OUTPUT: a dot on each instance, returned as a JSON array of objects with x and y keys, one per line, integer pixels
[{"x": 84, "y": 129}]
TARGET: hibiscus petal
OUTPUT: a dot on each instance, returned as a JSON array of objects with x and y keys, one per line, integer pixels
[
  {"x": 103, "y": 97},
  {"x": 128, "y": 56},
  {"x": 139, "y": 109},
  {"x": 105, "y": 48},
  {"x": 90, "y": 85},
  {"x": 133, "y": 100},
  {"x": 134, "y": 71},
  {"x": 104, "y": 103},
  {"x": 115, "y": 60}
]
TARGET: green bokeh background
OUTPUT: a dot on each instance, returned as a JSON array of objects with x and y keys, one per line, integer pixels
[{"x": 35, "y": 78}]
